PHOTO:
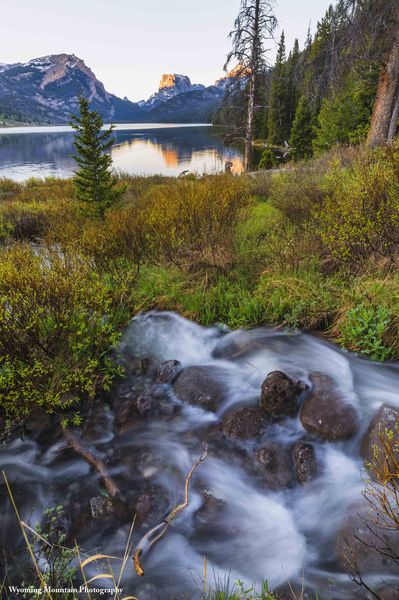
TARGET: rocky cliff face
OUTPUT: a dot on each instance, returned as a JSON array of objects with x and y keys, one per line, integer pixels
[
  {"x": 47, "y": 89},
  {"x": 170, "y": 86}
]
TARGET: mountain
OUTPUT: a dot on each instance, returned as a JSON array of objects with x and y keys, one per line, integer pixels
[
  {"x": 195, "y": 106},
  {"x": 46, "y": 89},
  {"x": 170, "y": 86},
  {"x": 178, "y": 100}
]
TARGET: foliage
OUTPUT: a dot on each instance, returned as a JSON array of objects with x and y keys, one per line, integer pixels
[
  {"x": 302, "y": 131},
  {"x": 364, "y": 328},
  {"x": 50, "y": 549},
  {"x": 63, "y": 319},
  {"x": 94, "y": 183},
  {"x": 360, "y": 215}
]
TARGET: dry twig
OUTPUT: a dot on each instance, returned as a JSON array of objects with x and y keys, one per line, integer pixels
[{"x": 157, "y": 532}]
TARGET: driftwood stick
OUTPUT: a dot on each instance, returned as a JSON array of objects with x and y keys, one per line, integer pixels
[
  {"x": 157, "y": 532},
  {"x": 96, "y": 463}
]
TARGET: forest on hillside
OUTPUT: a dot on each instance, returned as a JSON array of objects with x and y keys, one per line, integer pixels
[{"x": 325, "y": 94}]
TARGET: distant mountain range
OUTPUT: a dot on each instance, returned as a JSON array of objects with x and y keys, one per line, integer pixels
[{"x": 46, "y": 90}]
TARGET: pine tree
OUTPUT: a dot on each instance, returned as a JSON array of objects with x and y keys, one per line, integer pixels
[
  {"x": 292, "y": 84},
  {"x": 94, "y": 183},
  {"x": 302, "y": 132},
  {"x": 278, "y": 126}
]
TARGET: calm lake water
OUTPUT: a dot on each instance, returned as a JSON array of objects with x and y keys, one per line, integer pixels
[{"x": 139, "y": 149}]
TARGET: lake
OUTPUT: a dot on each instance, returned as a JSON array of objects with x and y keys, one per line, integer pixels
[{"x": 139, "y": 149}]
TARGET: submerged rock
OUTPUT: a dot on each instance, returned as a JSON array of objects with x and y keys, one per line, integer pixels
[
  {"x": 101, "y": 507},
  {"x": 276, "y": 466},
  {"x": 151, "y": 504},
  {"x": 244, "y": 423},
  {"x": 366, "y": 542},
  {"x": 384, "y": 425},
  {"x": 168, "y": 371},
  {"x": 201, "y": 386},
  {"x": 304, "y": 459},
  {"x": 278, "y": 395},
  {"x": 326, "y": 413}
]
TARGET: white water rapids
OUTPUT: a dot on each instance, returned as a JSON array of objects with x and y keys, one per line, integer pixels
[{"x": 258, "y": 534}]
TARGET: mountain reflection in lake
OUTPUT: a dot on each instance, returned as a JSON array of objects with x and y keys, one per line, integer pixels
[{"x": 138, "y": 150}]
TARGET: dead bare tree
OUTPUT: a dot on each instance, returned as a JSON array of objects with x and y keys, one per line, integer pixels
[{"x": 254, "y": 25}]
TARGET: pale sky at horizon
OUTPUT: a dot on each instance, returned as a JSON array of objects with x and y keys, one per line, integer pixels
[{"x": 130, "y": 43}]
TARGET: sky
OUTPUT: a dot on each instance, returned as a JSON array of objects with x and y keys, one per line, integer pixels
[{"x": 130, "y": 43}]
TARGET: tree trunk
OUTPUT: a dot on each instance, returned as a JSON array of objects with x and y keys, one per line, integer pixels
[
  {"x": 394, "y": 119},
  {"x": 250, "y": 124},
  {"x": 252, "y": 87},
  {"x": 386, "y": 90}
]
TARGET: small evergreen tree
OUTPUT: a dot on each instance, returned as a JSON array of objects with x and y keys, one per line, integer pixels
[
  {"x": 94, "y": 182},
  {"x": 302, "y": 132}
]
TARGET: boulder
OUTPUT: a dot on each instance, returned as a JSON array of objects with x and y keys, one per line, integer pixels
[
  {"x": 244, "y": 423},
  {"x": 151, "y": 504},
  {"x": 384, "y": 423},
  {"x": 363, "y": 533},
  {"x": 168, "y": 371},
  {"x": 389, "y": 593},
  {"x": 275, "y": 463},
  {"x": 201, "y": 386},
  {"x": 278, "y": 395},
  {"x": 208, "y": 517},
  {"x": 101, "y": 507},
  {"x": 304, "y": 459},
  {"x": 326, "y": 413}
]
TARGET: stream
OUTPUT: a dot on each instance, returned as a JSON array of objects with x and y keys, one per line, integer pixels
[{"x": 249, "y": 525}]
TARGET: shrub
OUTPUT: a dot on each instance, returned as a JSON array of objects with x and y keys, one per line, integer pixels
[
  {"x": 360, "y": 218},
  {"x": 298, "y": 193},
  {"x": 63, "y": 319},
  {"x": 191, "y": 223}
]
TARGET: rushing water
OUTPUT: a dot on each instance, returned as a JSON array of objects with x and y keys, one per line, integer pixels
[
  {"x": 256, "y": 533},
  {"x": 139, "y": 149}
]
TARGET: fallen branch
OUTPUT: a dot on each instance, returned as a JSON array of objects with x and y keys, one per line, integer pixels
[
  {"x": 157, "y": 532},
  {"x": 96, "y": 463}
]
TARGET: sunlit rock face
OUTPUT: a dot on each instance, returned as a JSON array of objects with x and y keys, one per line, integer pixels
[
  {"x": 47, "y": 89},
  {"x": 171, "y": 85}
]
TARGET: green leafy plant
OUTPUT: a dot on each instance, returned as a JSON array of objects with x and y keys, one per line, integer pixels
[{"x": 364, "y": 328}]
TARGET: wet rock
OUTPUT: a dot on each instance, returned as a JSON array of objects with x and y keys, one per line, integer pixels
[
  {"x": 101, "y": 507},
  {"x": 278, "y": 395},
  {"x": 388, "y": 593},
  {"x": 304, "y": 459},
  {"x": 363, "y": 533},
  {"x": 326, "y": 413},
  {"x": 37, "y": 421},
  {"x": 140, "y": 366},
  {"x": 145, "y": 403},
  {"x": 127, "y": 412},
  {"x": 168, "y": 371},
  {"x": 385, "y": 422},
  {"x": 275, "y": 463},
  {"x": 151, "y": 504},
  {"x": 208, "y": 516},
  {"x": 201, "y": 386},
  {"x": 293, "y": 591},
  {"x": 244, "y": 423}
]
